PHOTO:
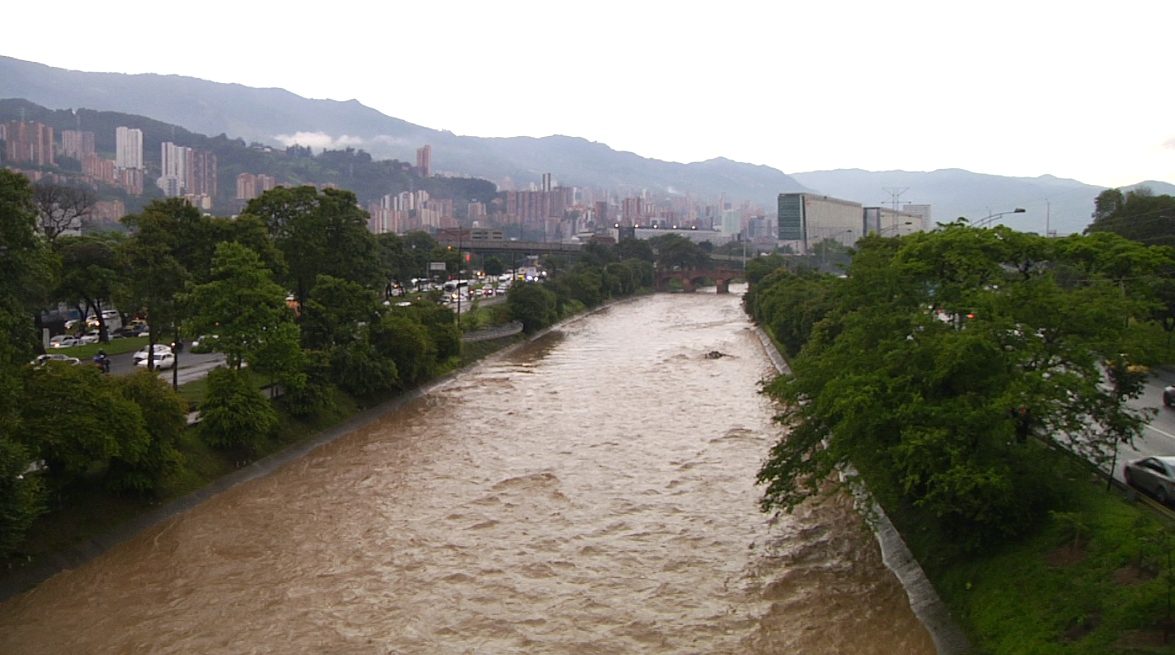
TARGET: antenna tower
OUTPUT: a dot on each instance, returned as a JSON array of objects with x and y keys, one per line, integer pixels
[{"x": 895, "y": 193}]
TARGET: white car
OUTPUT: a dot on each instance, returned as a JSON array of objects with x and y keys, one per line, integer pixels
[
  {"x": 162, "y": 361},
  {"x": 50, "y": 358},
  {"x": 63, "y": 341},
  {"x": 89, "y": 337},
  {"x": 160, "y": 348}
]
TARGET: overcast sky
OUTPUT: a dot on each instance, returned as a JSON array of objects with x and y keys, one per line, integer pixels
[{"x": 1024, "y": 88}]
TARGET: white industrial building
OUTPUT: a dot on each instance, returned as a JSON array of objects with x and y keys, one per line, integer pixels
[{"x": 805, "y": 219}]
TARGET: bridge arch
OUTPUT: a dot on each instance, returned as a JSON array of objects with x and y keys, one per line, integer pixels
[{"x": 691, "y": 279}]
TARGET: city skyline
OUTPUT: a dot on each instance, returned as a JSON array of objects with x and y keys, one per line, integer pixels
[{"x": 1015, "y": 89}]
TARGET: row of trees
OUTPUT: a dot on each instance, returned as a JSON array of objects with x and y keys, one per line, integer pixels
[
  {"x": 65, "y": 428},
  {"x": 935, "y": 359}
]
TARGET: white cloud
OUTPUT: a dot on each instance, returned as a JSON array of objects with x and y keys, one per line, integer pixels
[{"x": 319, "y": 140}]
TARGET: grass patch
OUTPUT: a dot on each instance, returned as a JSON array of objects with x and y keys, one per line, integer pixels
[
  {"x": 195, "y": 391},
  {"x": 115, "y": 347},
  {"x": 1092, "y": 579}
]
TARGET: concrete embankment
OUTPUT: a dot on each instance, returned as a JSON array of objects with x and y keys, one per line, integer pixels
[{"x": 924, "y": 600}]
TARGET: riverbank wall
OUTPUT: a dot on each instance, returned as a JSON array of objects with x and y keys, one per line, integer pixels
[{"x": 948, "y": 637}]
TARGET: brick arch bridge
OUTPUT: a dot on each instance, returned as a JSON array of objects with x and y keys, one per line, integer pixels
[{"x": 692, "y": 278}]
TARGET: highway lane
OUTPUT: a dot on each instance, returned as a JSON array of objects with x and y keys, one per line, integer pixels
[
  {"x": 192, "y": 366},
  {"x": 1158, "y": 438}
]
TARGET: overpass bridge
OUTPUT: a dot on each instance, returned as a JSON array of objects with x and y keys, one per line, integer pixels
[
  {"x": 483, "y": 246},
  {"x": 692, "y": 278}
]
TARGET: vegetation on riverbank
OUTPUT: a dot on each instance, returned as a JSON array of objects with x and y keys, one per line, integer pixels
[
  {"x": 1093, "y": 576},
  {"x": 959, "y": 371}
]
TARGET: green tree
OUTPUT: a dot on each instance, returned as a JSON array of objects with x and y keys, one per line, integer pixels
[
  {"x": 26, "y": 274},
  {"x": 165, "y": 419},
  {"x": 337, "y": 312},
  {"x": 234, "y": 414},
  {"x": 635, "y": 249},
  {"x": 931, "y": 364},
  {"x": 408, "y": 344},
  {"x": 28, "y": 270},
  {"x": 361, "y": 370},
  {"x": 319, "y": 233},
  {"x": 154, "y": 275},
  {"x": 90, "y": 274},
  {"x": 1139, "y": 215},
  {"x": 531, "y": 304},
  {"x": 494, "y": 266},
  {"x": 242, "y": 305},
  {"x": 674, "y": 251},
  {"x": 22, "y": 494},
  {"x": 74, "y": 419}
]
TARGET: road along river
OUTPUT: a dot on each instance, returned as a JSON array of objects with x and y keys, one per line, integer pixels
[{"x": 590, "y": 492}]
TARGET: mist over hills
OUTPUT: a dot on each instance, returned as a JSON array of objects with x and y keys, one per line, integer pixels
[{"x": 279, "y": 118}]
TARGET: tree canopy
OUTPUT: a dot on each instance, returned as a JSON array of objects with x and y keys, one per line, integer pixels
[{"x": 933, "y": 361}]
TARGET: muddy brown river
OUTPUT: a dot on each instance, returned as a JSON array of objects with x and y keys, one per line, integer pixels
[{"x": 591, "y": 492}]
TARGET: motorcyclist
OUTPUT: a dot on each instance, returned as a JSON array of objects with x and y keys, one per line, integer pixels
[{"x": 102, "y": 361}]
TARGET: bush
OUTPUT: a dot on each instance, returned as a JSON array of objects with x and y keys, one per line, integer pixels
[
  {"x": 532, "y": 305},
  {"x": 234, "y": 414},
  {"x": 165, "y": 418}
]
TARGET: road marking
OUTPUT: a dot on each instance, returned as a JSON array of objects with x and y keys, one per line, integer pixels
[{"x": 1162, "y": 432}]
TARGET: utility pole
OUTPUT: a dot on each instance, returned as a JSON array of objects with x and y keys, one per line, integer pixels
[{"x": 895, "y": 193}]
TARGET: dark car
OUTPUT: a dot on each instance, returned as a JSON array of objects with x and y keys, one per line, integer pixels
[
  {"x": 1169, "y": 395},
  {"x": 1154, "y": 475}
]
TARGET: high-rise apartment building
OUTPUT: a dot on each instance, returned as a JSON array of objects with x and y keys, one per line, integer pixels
[
  {"x": 187, "y": 171},
  {"x": 174, "y": 169},
  {"x": 250, "y": 186},
  {"x": 77, "y": 144},
  {"x": 202, "y": 174},
  {"x": 28, "y": 143},
  {"x": 128, "y": 147},
  {"x": 424, "y": 161}
]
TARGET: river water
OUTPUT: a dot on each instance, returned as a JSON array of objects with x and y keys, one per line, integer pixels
[{"x": 590, "y": 492}]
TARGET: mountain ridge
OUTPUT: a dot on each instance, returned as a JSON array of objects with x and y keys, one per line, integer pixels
[{"x": 277, "y": 117}]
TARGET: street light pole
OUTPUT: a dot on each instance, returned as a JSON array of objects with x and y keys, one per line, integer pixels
[
  {"x": 458, "y": 277},
  {"x": 986, "y": 221}
]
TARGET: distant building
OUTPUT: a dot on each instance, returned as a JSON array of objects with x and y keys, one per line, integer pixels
[
  {"x": 77, "y": 144},
  {"x": 174, "y": 169},
  {"x": 250, "y": 186},
  {"x": 890, "y": 223},
  {"x": 27, "y": 142},
  {"x": 805, "y": 219},
  {"x": 922, "y": 211},
  {"x": 424, "y": 161},
  {"x": 128, "y": 147},
  {"x": 187, "y": 172}
]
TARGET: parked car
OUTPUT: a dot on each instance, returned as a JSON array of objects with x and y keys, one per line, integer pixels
[
  {"x": 63, "y": 341},
  {"x": 162, "y": 361},
  {"x": 1169, "y": 395},
  {"x": 1154, "y": 475},
  {"x": 204, "y": 343},
  {"x": 160, "y": 348},
  {"x": 55, "y": 358},
  {"x": 89, "y": 337}
]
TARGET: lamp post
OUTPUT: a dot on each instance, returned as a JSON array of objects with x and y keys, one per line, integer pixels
[
  {"x": 458, "y": 277},
  {"x": 988, "y": 220}
]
